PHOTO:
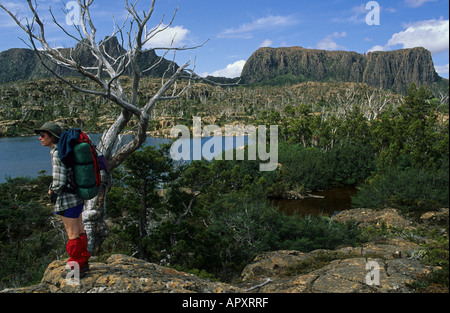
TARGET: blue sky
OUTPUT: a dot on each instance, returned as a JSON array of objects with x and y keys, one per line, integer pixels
[{"x": 235, "y": 29}]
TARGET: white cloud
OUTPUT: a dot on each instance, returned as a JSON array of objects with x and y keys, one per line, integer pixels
[
  {"x": 266, "y": 43},
  {"x": 329, "y": 43},
  {"x": 170, "y": 37},
  {"x": 442, "y": 69},
  {"x": 264, "y": 23},
  {"x": 376, "y": 48},
  {"x": 431, "y": 34},
  {"x": 231, "y": 71},
  {"x": 417, "y": 3}
]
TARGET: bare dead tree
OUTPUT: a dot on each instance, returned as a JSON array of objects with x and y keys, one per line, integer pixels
[
  {"x": 442, "y": 94},
  {"x": 106, "y": 74},
  {"x": 377, "y": 100}
]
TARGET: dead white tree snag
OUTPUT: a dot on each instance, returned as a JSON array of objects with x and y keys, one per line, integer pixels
[{"x": 106, "y": 73}]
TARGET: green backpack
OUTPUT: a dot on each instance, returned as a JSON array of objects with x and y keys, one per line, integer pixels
[{"x": 76, "y": 150}]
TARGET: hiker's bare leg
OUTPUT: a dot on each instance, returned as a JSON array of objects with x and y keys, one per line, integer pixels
[
  {"x": 72, "y": 226},
  {"x": 80, "y": 224}
]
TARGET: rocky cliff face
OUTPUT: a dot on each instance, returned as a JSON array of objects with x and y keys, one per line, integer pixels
[
  {"x": 398, "y": 69},
  {"x": 389, "y": 70}
]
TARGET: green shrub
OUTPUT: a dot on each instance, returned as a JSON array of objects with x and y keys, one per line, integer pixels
[
  {"x": 28, "y": 241},
  {"x": 413, "y": 190},
  {"x": 348, "y": 163},
  {"x": 435, "y": 253}
]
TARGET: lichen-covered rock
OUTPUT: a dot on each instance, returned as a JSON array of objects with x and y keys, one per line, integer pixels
[
  {"x": 377, "y": 218},
  {"x": 271, "y": 263},
  {"x": 343, "y": 270},
  {"x": 436, "y": 220},
  {"x": 124, "y": 274}
]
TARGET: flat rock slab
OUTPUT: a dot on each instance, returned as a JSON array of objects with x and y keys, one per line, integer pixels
[{"x": 123, "y": 274}]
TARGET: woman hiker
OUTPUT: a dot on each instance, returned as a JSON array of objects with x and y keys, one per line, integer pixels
[{"x": 68, "y": 205}]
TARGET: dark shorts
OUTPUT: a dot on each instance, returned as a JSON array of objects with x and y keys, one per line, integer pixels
[{"x": 72, "y": 212}]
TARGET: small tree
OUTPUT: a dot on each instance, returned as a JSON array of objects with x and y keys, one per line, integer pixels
[
  {"x": 147, "y": 172},
  {"x": 106, "y": 74}
]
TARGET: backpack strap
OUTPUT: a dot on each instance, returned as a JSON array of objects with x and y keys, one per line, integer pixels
[{"x": 85, "y": 138}]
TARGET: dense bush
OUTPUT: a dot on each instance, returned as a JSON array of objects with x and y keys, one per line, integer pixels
[
  {"x": 411, "y": 189},
  {"x": 436, "y": 254},
  {"x": 28, "y": 240},
  {"x": 349, "y": 163}
]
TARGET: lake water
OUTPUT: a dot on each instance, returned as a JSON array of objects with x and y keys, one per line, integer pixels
[
  {"x": 328, "y": 202},
  {"x": 26, "y": 157}
]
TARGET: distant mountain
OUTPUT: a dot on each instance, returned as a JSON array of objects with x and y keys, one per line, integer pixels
[
  {"x": 24, "y": 64},
  {"x": 394, "y": 70}
]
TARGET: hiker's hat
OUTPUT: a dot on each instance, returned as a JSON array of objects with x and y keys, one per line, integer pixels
[{"x": 50, "y": 127}]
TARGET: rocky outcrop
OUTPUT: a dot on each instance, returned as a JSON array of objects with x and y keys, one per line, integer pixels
[
  {"x": 320, "y": 271},
  {"x": 386, "y": 265},
  {"x": 436, "y": 220},
  {"x": 391, "y": 218},
  {"x": 124, "y": 274},
  {"x": 339, "y": 271},
  {"x": 345, "y": 270},
  {"x": 394, "y": 70},
  {"x": 367, "y": 217}
]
